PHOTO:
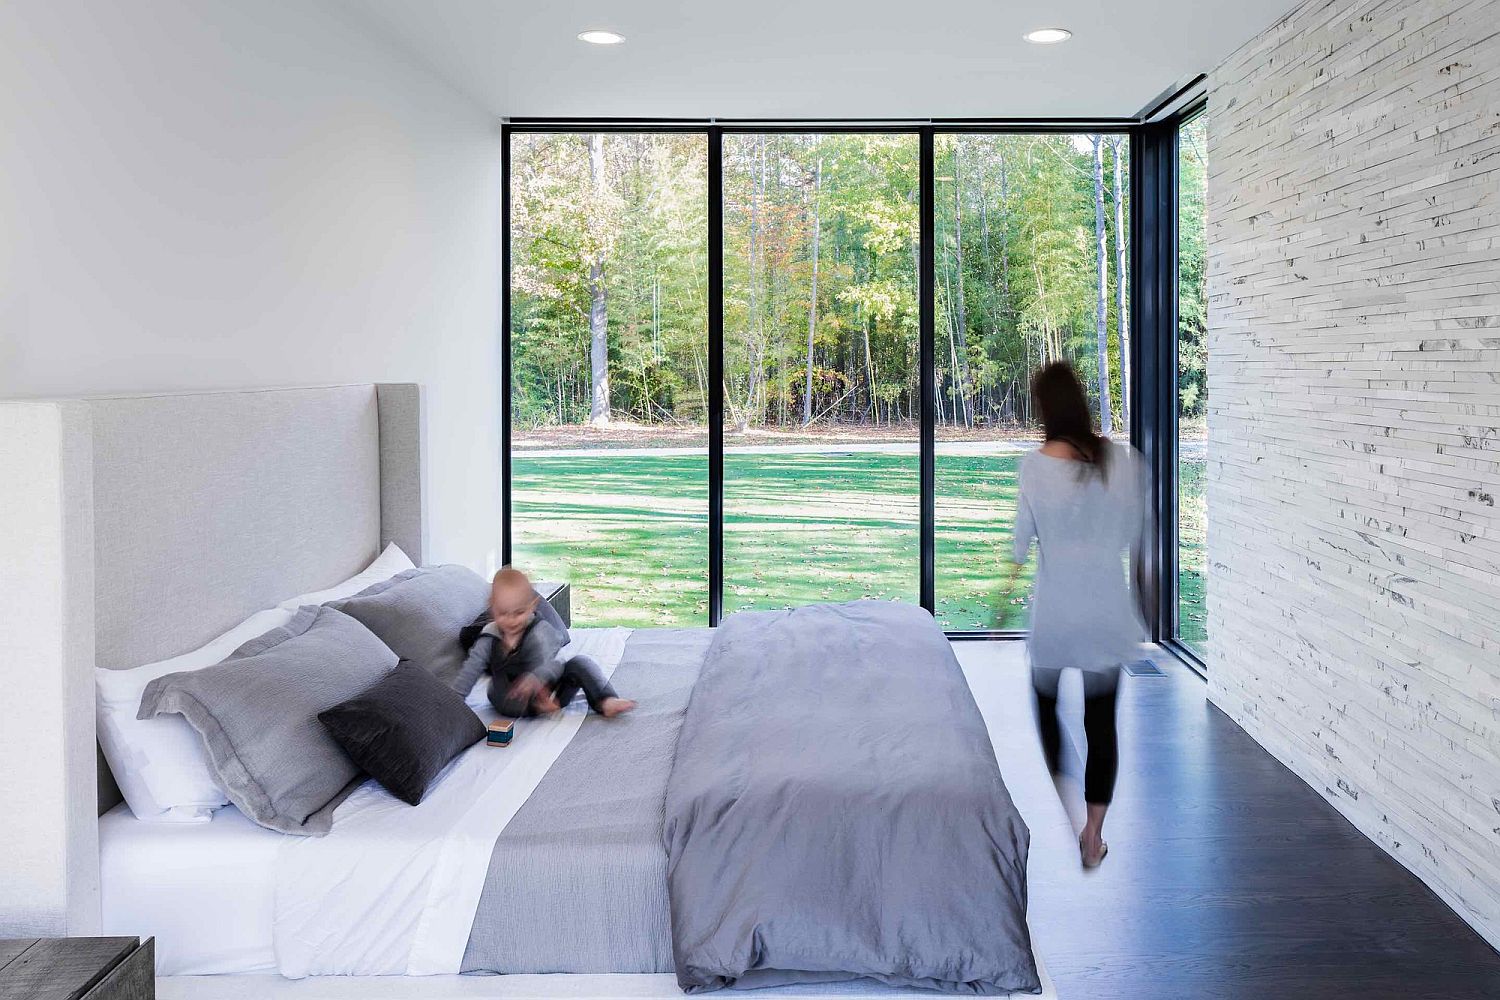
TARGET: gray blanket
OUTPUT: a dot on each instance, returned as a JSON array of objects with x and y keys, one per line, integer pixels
[
  {"x": 834, "y": 811},
  {"x": 577, "y": 882}
]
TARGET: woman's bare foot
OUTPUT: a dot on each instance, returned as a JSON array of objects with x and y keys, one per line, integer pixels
[
  {"x": 1092, "y": 848},
  {"x": 611, "y": 707},
  {"x": 1091, "y": 845}
]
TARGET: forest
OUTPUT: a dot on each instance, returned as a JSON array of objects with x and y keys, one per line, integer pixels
[{"x": 610, "y": 277}]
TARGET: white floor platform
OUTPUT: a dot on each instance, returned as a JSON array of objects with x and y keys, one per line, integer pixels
[{"x": 501, "y": 988}]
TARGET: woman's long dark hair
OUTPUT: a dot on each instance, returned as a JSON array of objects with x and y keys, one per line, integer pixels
[{"x": 1059, "y": 397}]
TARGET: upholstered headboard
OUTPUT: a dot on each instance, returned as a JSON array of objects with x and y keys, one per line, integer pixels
[
  {"x": 208, "y": 508},
  {"x": 152, "y": 524}
]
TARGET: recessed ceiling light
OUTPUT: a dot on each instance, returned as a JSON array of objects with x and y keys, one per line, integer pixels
[
  {"x": 598, "y": 36},
  {"x": 1048, "y": 36}
]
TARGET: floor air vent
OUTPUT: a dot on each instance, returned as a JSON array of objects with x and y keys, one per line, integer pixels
[{"x": 1143, "y": 668}]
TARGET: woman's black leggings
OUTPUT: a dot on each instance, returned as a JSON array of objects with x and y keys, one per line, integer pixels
[{"x": 1103, "y": 761}]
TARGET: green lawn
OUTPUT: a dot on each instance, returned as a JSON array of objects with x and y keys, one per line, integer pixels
[
  {"x": 630, "y": 532},
  {"x": 1192, "y": 555}
]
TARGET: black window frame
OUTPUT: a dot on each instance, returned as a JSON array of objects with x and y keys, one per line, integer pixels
[
  {"x": 1153, "y": 317},
  {"x": 1168, "y": 515}
]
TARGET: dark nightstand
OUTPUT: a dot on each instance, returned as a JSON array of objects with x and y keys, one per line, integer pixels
[
  {"x": 560, "y": 597},
  {"x": 99, "y": 968}
]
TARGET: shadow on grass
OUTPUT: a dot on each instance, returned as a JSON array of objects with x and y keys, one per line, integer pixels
[{"x": 799, "y": 528}]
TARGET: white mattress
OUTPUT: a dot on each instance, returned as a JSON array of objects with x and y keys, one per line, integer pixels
[{"x": 205, "y": 891}]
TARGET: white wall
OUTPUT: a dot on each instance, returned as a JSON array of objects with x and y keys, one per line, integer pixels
[
  {"x": 49, "y": 872},
  {"x": 219, "y": 194},
  {"x": 1354, "y": 424}
]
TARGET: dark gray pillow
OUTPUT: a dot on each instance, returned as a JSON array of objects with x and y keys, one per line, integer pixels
[
  {"x": 419, "y": 613},
  {"x": 404, "y": 730},
  {"x": 257, "y": 713}
]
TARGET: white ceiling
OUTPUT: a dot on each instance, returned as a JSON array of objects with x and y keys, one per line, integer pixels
[{"x": 819, "y": 58}]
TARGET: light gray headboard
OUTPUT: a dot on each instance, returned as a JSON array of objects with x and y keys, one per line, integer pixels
[
  {"x": 208, "y": 508},
  {"x": 153, "y": 524}
]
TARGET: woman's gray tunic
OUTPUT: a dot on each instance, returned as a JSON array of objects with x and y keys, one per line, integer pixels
[{"x": 1084, "y": 613}]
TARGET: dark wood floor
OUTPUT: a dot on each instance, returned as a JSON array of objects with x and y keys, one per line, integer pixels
[{"x": 1227, "y": 875}]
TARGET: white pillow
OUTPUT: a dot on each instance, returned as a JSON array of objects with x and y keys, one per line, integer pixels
[
  {"x": 160, "y": 764},
  {"x": 386, "y": 565}
]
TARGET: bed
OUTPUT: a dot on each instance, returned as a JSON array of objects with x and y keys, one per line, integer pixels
[
  {"x": 233, "y": 857},
  {"x": 677, "y": 848}
]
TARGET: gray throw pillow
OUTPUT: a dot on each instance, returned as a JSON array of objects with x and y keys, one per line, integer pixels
[
  {"x": 257, "y": 713},
  {"x": 420, "y": 612}
]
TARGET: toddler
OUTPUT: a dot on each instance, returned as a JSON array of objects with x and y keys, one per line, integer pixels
[{"x": 521, "y": 653}]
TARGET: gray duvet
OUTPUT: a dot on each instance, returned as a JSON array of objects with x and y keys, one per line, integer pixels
[{"x": 835, "y": 811}]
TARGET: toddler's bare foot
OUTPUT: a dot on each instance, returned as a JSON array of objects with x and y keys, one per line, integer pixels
[
  {"x": 545, "y": 703},
  {"x": 611, "y": 707}
]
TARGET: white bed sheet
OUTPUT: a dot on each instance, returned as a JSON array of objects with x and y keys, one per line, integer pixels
[
  {"x": 393, "y": 889},
  {"x": 205, "y": 891},
  {"x": 208, "y": 892}
]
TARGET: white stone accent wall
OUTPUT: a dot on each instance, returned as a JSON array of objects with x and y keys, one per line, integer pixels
[{"x": 1354, "y": 420}]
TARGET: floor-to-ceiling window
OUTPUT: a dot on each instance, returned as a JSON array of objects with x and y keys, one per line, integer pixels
[
  {"x": 609, "y": 369},
  {"x": 615, "y": 341},
  {"x": 1192, "y": 383},
  {"x": 821, "y": 403},
  {"x": 1031, "y": 267}
]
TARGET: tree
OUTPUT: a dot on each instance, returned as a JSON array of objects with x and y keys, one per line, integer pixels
[
  {"x": 812, "y": 298},
  {"x": 598, "y": 313},
  {"x": 1101, "y": 319},
  {"x": 959, "y": 330},
  {"x": 1122, "y": 321},
  {"x": 1192, "y": 255},
  {"x": 1054, "y": 251},
  {"x": 756, "y": 320}
]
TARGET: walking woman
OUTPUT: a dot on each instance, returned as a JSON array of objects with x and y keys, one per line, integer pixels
[{"x": 1083, "y": 500}]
